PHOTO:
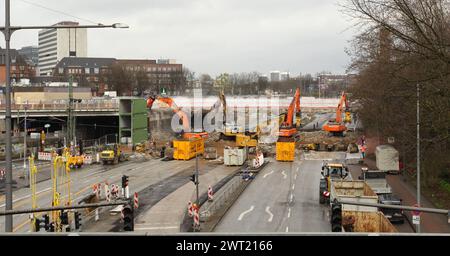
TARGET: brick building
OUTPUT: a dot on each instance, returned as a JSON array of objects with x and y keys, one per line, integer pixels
[
  {"x": 20, "y": 68},
  {"x": 138, "y": 74}
]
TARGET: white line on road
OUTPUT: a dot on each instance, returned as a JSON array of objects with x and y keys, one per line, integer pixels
[
  {"x": 293, "y": 186},
  {"x": 270, "y": 214},
  {"x": 297, "y": 169},
  {"x": 291, "y": 198},
  {"x": 295, "y": 176},
  {"x": 267, "y": 174},
  {"x": 242, "y": 214},
  {"x": 289, "y": 212},
  {"x": 24, "y": 197},
  {"x": 284, "y": 175},
  {"x": 287, "y": 229}
]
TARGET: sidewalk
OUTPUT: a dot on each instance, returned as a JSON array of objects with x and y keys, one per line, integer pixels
[{"x": 166, "y": 216}]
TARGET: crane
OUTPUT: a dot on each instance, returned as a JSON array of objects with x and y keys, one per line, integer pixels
[
  {"x": 336, "y": 126},
  {"x": 287, "y": 127},
  {"x": 184, "y": 118}
]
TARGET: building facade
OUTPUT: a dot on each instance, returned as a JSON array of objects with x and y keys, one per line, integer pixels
[
  {"x": 20, "y": 68},
  {"x": 55, "y": 44},
  {"x": 99, "y": 74},
  {"x": 274, "y": 76},
  {"x": 31, "y": 54}
]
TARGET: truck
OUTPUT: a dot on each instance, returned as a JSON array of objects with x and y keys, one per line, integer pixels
[
  {"x": 393, "y": 215},
  {"x": 357, "y": 218},
  {"x": 376, "y": 179},
  {"x": 387, "y": 159},
  {"x": 329, "y": 173},
  {"x": 111, "y": 154},
  {"x": 357, "y": 191},
  {"x": 360, "y": 221}
]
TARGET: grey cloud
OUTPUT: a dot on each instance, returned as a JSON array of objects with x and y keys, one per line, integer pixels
[{"x": 209, "y": 36}]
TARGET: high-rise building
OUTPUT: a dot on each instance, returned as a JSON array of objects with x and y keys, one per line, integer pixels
[
  {"x": 284, "y": 76},
  {"x": 274, "y": 76},
  {"x": 31, "y": 54},
  {"x": 55, "y": 44}
]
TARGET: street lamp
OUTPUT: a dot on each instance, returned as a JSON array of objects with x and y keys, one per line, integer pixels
[{"x": 7, "y": 30}]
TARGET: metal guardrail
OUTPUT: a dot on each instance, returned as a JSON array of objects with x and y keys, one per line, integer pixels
[
  {"x": 221, "y": 197},
  {"x": 88, "y": 105}
]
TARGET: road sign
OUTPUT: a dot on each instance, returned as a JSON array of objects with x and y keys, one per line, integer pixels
[
  {"x": 416, "y": 213},
  {"x": 416, "y": 219}
]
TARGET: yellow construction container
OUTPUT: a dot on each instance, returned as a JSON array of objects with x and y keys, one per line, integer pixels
[
  {"x": 243, "y": 140},
  {"x": 187, "y": 149},
  {"x": 285, "y": 151}
]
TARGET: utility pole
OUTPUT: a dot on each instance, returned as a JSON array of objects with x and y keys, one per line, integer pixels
[
  {"x": 8, "y": 205},
  {"x": 25, "y": 145},
  {"x": 418, "y": 152}
]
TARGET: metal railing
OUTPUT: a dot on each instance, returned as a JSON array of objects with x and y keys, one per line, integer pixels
[
  {"x": 62, "y": 105},
  {"x": 221, "y": 197}
]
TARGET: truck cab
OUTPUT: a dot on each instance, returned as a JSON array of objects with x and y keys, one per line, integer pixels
[
  {"x": 331, "y": 171},
  {"x": 393, "y": 215}
]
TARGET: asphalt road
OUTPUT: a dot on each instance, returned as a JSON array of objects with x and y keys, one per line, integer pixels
[
  {"x": 141, "y": 173},
  {"x": 284, "y": 197},
  {"x": 320, "y": 119}
]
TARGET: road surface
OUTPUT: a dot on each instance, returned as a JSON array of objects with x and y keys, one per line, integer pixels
[
  {"x": 284, "y": 197},
  {"x": 141, "y": 174}
]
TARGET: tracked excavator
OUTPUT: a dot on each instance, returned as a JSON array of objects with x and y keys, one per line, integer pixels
[
  {"x": 285, "y": 146},
  {"x": 336, "y": 126},
  {"x": 191, "y": 144}
]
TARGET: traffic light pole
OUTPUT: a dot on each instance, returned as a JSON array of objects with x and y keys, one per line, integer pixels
[{"x": 196, "y": 179}]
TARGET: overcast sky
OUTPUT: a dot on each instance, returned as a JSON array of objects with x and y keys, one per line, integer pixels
[{"x": 207, "y": 36}]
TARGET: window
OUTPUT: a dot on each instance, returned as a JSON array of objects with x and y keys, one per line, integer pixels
[
  {"x": 96, "y": 70},
  {"x": 60, "y": 70},
  {"x": 164, "y": 69},
  {"x": 87, "y": 70},
  {"x": 13, "y": 68}
]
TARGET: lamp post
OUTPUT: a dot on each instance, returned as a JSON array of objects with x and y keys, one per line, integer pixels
[{"x": 7, "y": 30}]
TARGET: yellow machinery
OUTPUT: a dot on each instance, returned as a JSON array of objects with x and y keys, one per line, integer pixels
[
  {"x": 60, "y": 180},
  {"x": 33, "y": 172},
  {"x": 285, "y": 151},
  {"x": 188, "y": 149},
  {"x": 112, "y": 154}
]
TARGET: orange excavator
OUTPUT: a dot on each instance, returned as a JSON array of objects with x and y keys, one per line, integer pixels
[
  {"x": 287, "y": 127},
  {"x": 336, "y": 126},
  {"x": 285, "y": 146},
  {"x": 184, "y": 118}
]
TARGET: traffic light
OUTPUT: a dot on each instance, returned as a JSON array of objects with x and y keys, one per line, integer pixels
[
  {"x": 193, "y": 178},
  {"x": 128, "y": 217},
  {"x": 64, "y": 218},
  {"x": 77, "y": 216},
  {"x": 125, "y": 180},
  {"x": 336, "y": 217},
  {"x": 46, "y": 222}
]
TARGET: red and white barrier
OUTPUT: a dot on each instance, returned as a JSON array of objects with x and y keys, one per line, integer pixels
[
  {"x": 2, "y": 173},
  {"x": 87, "y": 159},
  {"x": 196, "y": 216},
  {"x": 114, "y": 191},
  {"x": 136, "y": 200},
  {"x": 326, "y": 193},
  {"x": 44, "y": 156},
  {"x": 107, "y": 193},
  {"x": 210, "y": 194},
  {"x": 190, "y": 208}
]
